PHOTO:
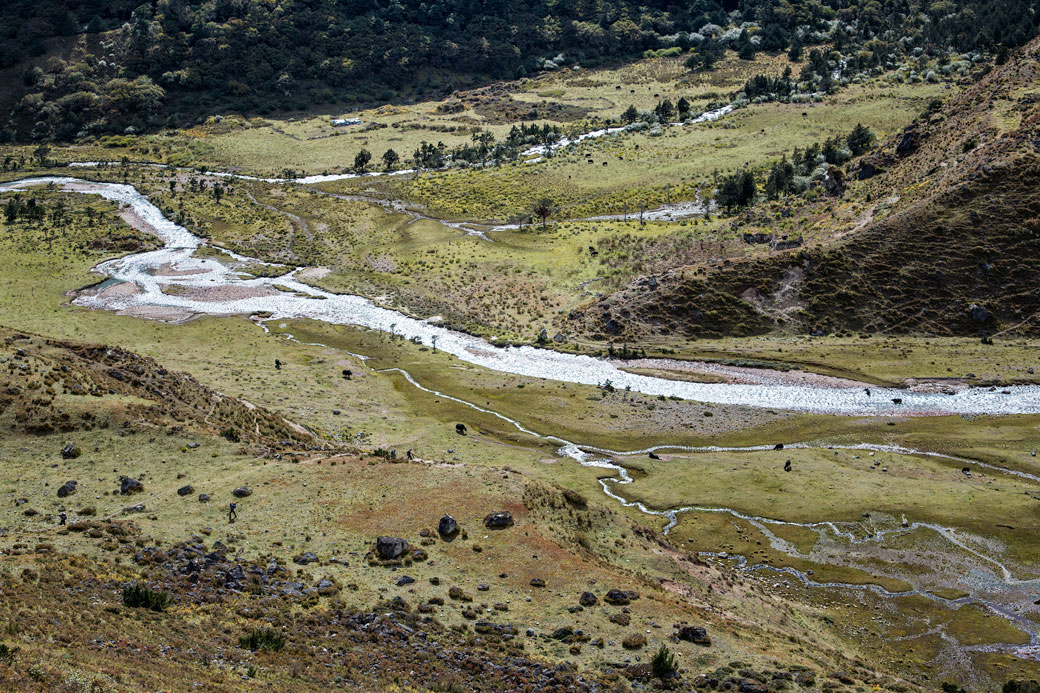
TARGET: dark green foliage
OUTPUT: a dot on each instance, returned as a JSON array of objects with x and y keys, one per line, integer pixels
[
  {"x": 781, "y": 179},
  {"x": 770, "y": 87},
  {"x": 180, "y": 59},
  {"x": 737, "y": 190},
  {"x": 1017, "y": 686},
  {"x": 429, "y": 156},
  {"x": 663, "y": 663},
  {"x": 361, "y": 161},
  {"x": 262, "y": 639},
  {"x": 390, "y": 159},
  {"x": 861, "y": 139},
  {"x": 7, "y": 653},
  {"x": 231, "y": 434},
  {"x": 707, "y": 54},
  {"x": 139, "y": 597}
]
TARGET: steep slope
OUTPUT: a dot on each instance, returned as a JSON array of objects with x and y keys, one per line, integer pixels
[
  {"x": 956, "y": 255},
  {"x": 51, "y": 386}
]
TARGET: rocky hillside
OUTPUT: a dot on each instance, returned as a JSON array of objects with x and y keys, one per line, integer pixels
[
  {"x": 51, "y": 386},
  {"x": 951, "y": 247}
]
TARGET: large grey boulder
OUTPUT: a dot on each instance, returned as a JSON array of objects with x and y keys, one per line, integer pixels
[{"x": 390, "y": 548}]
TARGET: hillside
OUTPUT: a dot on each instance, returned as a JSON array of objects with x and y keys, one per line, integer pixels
[
  {"x": 101, "y": 67},
  {"x": 296, "y": 595},
  {"x": 955, "y": 254}
]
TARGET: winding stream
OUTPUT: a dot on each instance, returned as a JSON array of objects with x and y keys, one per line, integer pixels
[{"x": 208, "y": 287}]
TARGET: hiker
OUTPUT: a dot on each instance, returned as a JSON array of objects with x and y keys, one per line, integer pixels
[
  {"x": 232, "y": 514},
  {"x": 867, "y": 390},
  {"x": 409, "y": 455},
  {"x": 787, "y": 466},
  {"x": 62, "y": 518},
  {"x": 277, "y": 364}
]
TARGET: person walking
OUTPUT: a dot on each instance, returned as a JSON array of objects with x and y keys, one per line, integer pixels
[
  {"x": 232, "y": 514},
  {"x": 62, "y": 518}
]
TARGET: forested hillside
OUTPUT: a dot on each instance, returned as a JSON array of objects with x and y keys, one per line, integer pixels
[{"x": 75, "y": 70}]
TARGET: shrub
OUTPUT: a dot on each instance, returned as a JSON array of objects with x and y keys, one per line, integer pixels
[
  {"x": 262, "y": 639},
  {"x": 663, "y": 663},
  {"x": 137, "y": 596},
  {"x": 7, "y": 653}
]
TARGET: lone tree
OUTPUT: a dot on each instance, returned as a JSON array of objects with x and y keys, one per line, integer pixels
[
  {"x": 362, "y": 160},
  {"x": 41, "y": 153},
  {"x": 861, "y": 139},
  {"x": 390, "y": 159},
  {"x": 543, "y": 209}
]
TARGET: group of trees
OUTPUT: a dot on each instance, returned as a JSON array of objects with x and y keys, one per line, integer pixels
[
  {"x": 794, "y": 175},
  {"x": 31, "y": 210},
  {"x": 664, "y": 112},
  {"x": 165, "y": 62},
  {"x": 483, "y": 149}
]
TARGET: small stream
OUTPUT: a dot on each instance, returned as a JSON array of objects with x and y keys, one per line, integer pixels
[
  {"x": 208, "y": 287},
  {"x": 138, "y": 280}
]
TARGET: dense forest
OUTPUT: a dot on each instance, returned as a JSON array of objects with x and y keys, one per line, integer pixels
[{"x": 127, "y": 64}]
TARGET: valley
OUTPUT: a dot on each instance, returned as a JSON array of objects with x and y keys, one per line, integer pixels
[{"x": 790, "y": 441}]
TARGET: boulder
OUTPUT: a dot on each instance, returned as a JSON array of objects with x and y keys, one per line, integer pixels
[
  {"x": 70, "y": 452},
  {"x": 643, "y": 671},
  {"x": 390, "y": 548},
  {"x": 634, "y": 641},
  {"x": 185, "y": 490},
  {"x": 587, "y": 599},
  {"x": 616, "y": 597},
  {"x": 128, "y": 486},
  {"x": 537, "y": 582},
  {"x": 404, "y": 580},
  {"x": 305, "y": 558},
  {"x": 621, "y": 619},
  {"x": 499, "y": 520},
  {"x": 447, "y": 527},
  {"x": 242, "y": 492},
  {"x": 695, "y": 634},
  {"x": 67, "y": 489},
  {"x": 204, "y": 498},
  {"x": 978, "y": 313}
]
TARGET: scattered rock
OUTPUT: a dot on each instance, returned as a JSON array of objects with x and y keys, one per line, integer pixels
[
  {"x": 616, "y": 597},
  {"x": 70, "y": 452},
  {"x": 185, "y": 490},
  {"x": 537, "y": 582},
  {"x": 390, "y": 548},
  {"x": 447, "y": 527},
  {"x": 587, "y": 599},
  {"x": 305, "y": 558},
  {"x": 643, "y": 671},
  {"x": 242, "y": 492},
  {"x": 404, "y": 580},
  {"x": 978, "y": 313},
  {"x": 499, "y": 520},
  {"x": 695, "y": 634},
  {"x": 128, "y": 486},
  {"x": 621, "y": 619},
  {"x": 204, "y": 498},
  {"x": 67, "y": 489}
]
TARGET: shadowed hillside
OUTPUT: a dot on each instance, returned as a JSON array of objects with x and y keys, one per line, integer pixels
[{"x": 957, "y": 255}]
